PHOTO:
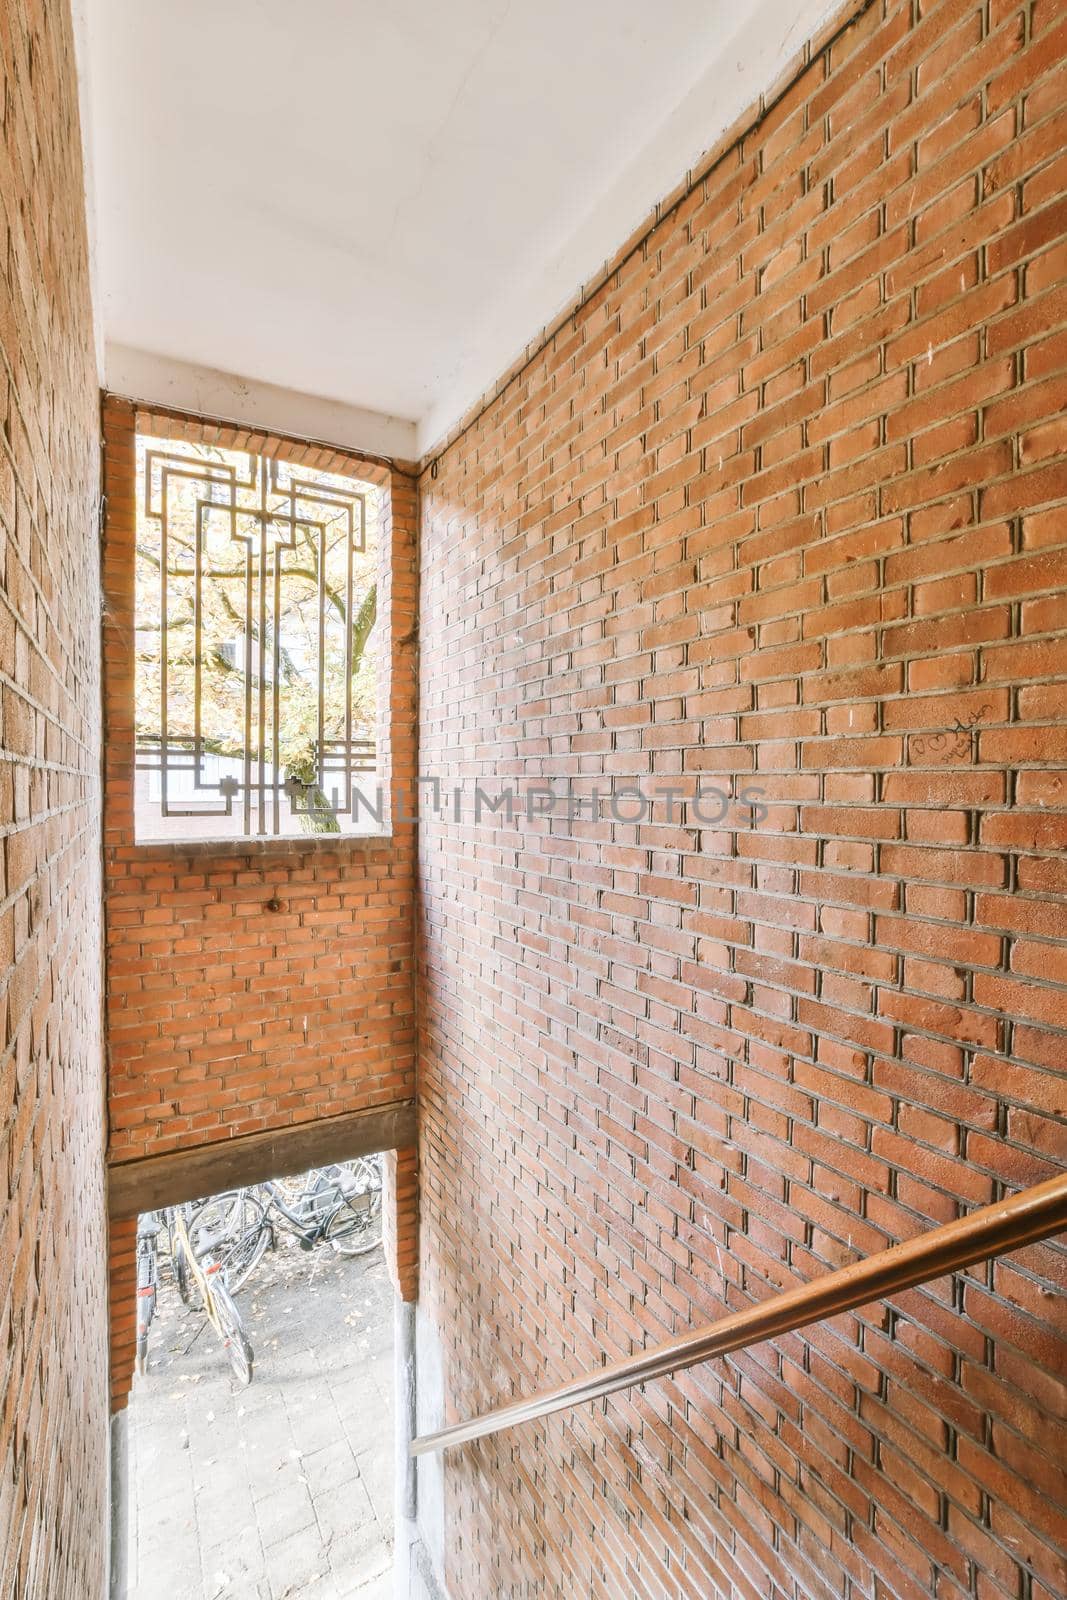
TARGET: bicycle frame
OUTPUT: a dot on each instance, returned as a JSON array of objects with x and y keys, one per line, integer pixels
[
  {"x": 288, "y": 1218},
  {"x": 202, "y": 1276},
  {"x": 307, "y": 1220},
  {"x": 217, "y": 1301}
]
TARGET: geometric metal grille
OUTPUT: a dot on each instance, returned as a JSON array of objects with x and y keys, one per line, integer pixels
[{"x": 255, "y": 674}]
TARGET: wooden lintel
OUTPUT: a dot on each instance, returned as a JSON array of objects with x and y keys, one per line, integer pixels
[{"x": 166, "y": 1180}]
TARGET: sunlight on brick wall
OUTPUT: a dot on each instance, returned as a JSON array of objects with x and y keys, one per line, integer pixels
[{"x": 781, "y": 504}]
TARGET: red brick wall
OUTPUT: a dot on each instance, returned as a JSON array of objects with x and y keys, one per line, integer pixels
[
  {"x": 122, "y": 1293},
  {"x": 224, "y": 1017},
  {"x": 400, "y": 1232},
  {"x": 781, "y": 504},
  {"x": 53, "y": 1418}
]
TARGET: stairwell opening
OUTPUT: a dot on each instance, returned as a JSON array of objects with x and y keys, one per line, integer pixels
[{"x": 258, "y": 1440}]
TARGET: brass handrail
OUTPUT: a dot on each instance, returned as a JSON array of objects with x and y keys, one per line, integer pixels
[{"x": 1009, "y": 1224}]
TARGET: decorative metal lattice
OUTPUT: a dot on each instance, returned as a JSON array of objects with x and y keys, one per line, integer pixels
[{"x": 256, "y": 605}]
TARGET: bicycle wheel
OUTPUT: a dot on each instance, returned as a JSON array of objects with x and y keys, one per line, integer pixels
[
  {"x": 354, "y": 1227},
  {"x": 235, "y": 1228},
  {"x": 237, "y": 1344},
  {"x": 240, "y": 1259}
]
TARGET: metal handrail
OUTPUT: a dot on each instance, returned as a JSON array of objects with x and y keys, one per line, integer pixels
[{"x": 1024, "y": 1218}]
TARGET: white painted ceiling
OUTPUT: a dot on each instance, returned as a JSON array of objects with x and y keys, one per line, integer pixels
[{"x": 380, "y": 202}]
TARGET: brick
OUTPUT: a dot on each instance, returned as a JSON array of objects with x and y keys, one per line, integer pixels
[
  {"x": 660, "y": 1073},
  {"x": 53, "y": 1246}
]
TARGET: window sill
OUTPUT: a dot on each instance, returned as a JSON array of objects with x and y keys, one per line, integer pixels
[{"x": 290, "y": 844}]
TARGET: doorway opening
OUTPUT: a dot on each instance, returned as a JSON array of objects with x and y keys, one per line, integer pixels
[{"x": 259, "y": 1443}]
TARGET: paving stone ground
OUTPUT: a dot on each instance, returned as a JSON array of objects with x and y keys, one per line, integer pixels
[{"x": 283, "y": 1489}]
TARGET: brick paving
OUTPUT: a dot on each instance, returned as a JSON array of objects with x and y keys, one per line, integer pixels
[{"x": 284, "y": 1488}]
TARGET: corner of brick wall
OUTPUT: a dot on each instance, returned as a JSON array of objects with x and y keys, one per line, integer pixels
[
  {"x": 122, "y": 1297},
  {"x": 401, "y": 1220}
]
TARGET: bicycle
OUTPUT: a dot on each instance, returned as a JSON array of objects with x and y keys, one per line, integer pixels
[
  {"x": 206, "y": 1273},
  {"x": 340, "y": 1205},
  {"x": 232, "y": 1223},
  {"x": 148, "y": 1230}
]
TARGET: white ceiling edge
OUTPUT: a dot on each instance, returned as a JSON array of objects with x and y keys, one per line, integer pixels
[
  {"x": 183, "y": 386},
  {"x": 753, "y": 61},
  {"x": 79, "y": 16},
  {"x": 770, "y": 37}
]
